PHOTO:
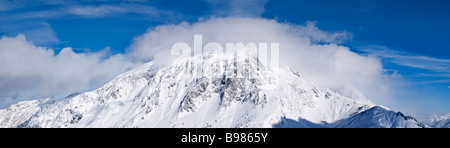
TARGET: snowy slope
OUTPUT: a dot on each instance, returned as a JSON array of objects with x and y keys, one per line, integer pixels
[
  {"x": 192, "y": 94},
  {"x": 379, "y": 117},
  {"x": 19, "y": 112}
]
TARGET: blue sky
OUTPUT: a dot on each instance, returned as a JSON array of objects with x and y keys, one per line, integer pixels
[{"x": 411, "y": 37}]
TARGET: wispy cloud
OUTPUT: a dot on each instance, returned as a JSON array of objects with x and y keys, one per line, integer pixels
[
  {"x": 90, "y": 9},
  {"x": 237, "y": 7},
  {"x": 16, "y": 18},
  {"x": 97, "y": 11},
  {"x": 105, "y": 10},
  {"x": 436, "y": 66},
  {"x": 41, "y": 33},
  {"x": 11, "y": 5},
  {"x": 7, "y": 5}
]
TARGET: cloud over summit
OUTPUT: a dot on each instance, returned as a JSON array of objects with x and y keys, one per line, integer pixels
[
  {"x": 29, "y": 71},
  {"x": 313, "y": 52}
]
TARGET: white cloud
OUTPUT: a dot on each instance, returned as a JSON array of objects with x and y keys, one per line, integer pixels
[
  {"x": 326, "y": 64},
  {"x": 316, "y": 35},
  {"x": 30, "y": 72}
]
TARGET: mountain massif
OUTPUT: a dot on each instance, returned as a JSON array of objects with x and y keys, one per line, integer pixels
[{"x": 212, "y": 93}]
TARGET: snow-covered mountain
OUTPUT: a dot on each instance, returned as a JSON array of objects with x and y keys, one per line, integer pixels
[
  {"x": 213, "y": 93},
  {"x": 433, "y": 120}
]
